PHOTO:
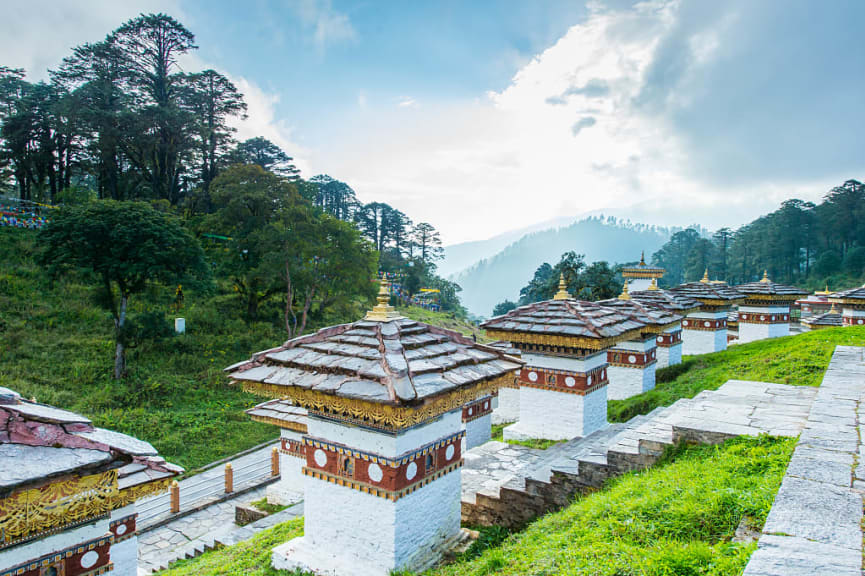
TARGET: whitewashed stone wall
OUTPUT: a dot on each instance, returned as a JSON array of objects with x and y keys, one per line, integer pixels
[
  {"x": 670, "y": 356},
  {"x": 751, "y": 332},
  {"x": 853, "y": 316},
  {"x": 639, "y": 284},
  {"x": 508, "y": 409},
  {"x": 703, "y": 341},
  {"x": 558, "y": 415},
  {"x": 627, "y": 382},
  {"x": 478, "y": 431},
  {"x": 289, "y": 488},
  {"x": 23, "y": 553},
  {"x": 124, "y": 554},
  {"x": 561, "y": 363}
]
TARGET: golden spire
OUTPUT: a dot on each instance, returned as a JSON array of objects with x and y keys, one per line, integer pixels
[
  {"x": 705, "y": 279},
  {"x": 654, "y": 285},
  {"x": 562, "y": 294},
  {"x": 832, "y": 310},
  {"x": 765, "y": 279},
  {"x": 625, "y": 295},
  {"x": 383, "y": 311},
  {"x": 643, "y": 258}
]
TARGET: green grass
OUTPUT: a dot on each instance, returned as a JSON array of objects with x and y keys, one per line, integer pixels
[
  {"x": 445, "y": 320},
  {"x": 267, "y": 507},
  {"x": 249, "y": 558},
  {"x": 799, "y": 360},
  {"x": 675, "y": 519},
  {"x": 497, "y": 433}
]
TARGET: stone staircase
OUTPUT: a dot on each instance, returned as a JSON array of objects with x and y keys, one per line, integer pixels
[{"x": 582, "y": 465}]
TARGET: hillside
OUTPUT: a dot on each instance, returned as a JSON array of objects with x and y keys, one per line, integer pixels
[{"x": 500, "y": 277}]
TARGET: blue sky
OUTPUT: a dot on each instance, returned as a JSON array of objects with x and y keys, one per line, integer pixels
[{"x": 481, "y": 117}]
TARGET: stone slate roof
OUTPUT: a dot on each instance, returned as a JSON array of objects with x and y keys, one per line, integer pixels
[
  {"x": 569, "y": 318},
  {"x": 39, "y": 441},
  {"x": 851, "y": 294},
  {"x": 826, "y": 319},
  {"x": 708, "y": 291},
  {"x": 768, "y": 288},
  {"x": 280, "y": 412},
  {"x": 641, "y": 312},
  {"x": 732, "y": 317},
  {"x": 666, "y": 300},
  {"x": 398, "y": 362}
]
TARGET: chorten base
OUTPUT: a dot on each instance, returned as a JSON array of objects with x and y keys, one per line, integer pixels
[
  {"x": 669, "y": 355},
  {"x": 508, "y": 409},
  {"x": 704, "y": 341},
  {"x": 558, "y": 415},
  {"x": 750, "y": 332},
  {"x": 627, "y": 382}
]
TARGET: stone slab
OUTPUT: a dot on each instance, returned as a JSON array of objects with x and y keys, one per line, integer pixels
[{"x": 792, "y": 556}]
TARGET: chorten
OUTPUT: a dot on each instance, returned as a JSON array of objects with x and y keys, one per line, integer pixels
[
  {"x": 632, "y": 363},
  {"x": 641, "y": 276},
  {"x": 669, "y": 342},
  {"x": 830, "y": 319},
  {"x": 385, "y": 398},
  {"x": 765, "y": 312},
  {"x": 705, "y": 330},
  {"x": 816, "y": 303},
  {"x": 564, "y": 343},
  {"x": 68, "y": 492},
  {"x": 852, "y": 305},
  {"x": 291, "y": 421}
]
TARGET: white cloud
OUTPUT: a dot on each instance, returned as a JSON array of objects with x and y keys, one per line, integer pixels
[
  {"x": 565, "y": 137},
  {"x": 324, "y": 23},
  {"x": 407, "y": 102}
]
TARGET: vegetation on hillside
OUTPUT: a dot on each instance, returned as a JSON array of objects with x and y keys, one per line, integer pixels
[
  {"x": 799, "y": 360},
  {"x": 677, "y": 518},
  {"x": 801, "y": 242}
]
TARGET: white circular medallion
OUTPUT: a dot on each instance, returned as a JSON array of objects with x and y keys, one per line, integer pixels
[
  {"x": 570, "y": 382},
  {"x": 632, "y": 359},
  {"x": 589, "y": 380},
  {"x": 762, "y": 318},
  {"x": 773, "y": 318},
  {"x": 486, "y": 405},
  {"x": 860, "y": 321},
  {"x": 411, "y": 471},
  {"x": 121, "y": 529},
  {"x": 707, "y": 324},
  {"x": 90, "y": 559},
  {"x": 471, "y": 411},
  {"x": 533, "y": 376},
  {"x": 449, "y": 453},
  {"x": 320, "y": 457},
  {"x": 660, "y": 340},
  {"x": 374, "y": 472}
]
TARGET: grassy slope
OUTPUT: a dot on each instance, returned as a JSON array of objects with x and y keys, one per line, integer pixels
[
  {"x": 445, "y": 320},
  {"x": 677, "y": 518},
  {"x": 799, "y": 360}
]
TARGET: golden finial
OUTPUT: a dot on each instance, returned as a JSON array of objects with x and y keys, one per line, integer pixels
[
  {"x": 765, "y": 279},
  {"x": 832, "y": 310},
  {"x": 383, "y": 311},
  {"x": 625, "y": 295},
  {"x": 562, "y": 294},
  {"x": 654, "y": 285},
  {"x": 705, "y": 279},
  {"x": 643, "y": 258}
]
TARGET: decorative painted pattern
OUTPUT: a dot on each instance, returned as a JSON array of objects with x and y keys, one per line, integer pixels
[
  {"x": 279, "y": 422},
  {"x": 563, "y": 351},
  {"x": 853, "y": 320},
  {"x": 374, "y": 415},
  {"x": 49, "y": 509},
  {"x": 704, "y": 324},
  {"x": 87, "y": 559},
  {"x": 123, "y": 528},
  {"x": 561, "y": 341},
  {"x": 292, "y": 447},
  {"x": 478, "y": 409},
  {"x": 631, "y": 359},
  {"x": 668, "y": 339},
  {"x": 763, "y": 318},
  {"x": 129, "y": 495},
  {"x": 580, "y": 383},
  {"x": 384, "y": 477}
]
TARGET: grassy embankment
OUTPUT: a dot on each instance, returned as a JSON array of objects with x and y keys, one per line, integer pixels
[
  {"x": 677, "y": 518},
  {"x": 56, "y": 344}
]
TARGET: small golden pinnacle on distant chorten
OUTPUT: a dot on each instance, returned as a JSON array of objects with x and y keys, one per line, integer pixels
[
  {"x": 643, "y": 258},
  {"x": 765, "y": 279},
  {"x": 383, "y": 311},
  {"x": 562, "y": 294},
  {"x": 625, "y": 295},
  {"x": 705, "y": 279},
  {"x": 832, "y": 310},
  {"x": 654, "y": 285}
]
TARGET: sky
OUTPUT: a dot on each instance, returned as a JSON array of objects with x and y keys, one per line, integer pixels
[{"x": 486, "y": 116}]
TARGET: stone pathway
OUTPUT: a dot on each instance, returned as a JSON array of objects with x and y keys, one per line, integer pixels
[
  {"x": 814, "y": 527},
  {"x": 521, "y": 484},
  {"x": 206, "y": 487}
]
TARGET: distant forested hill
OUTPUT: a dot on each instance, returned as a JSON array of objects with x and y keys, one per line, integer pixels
[{"x": 500, "y": 277}]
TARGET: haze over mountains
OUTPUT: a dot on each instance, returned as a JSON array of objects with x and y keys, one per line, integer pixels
[{"x": 494, "y": 270}]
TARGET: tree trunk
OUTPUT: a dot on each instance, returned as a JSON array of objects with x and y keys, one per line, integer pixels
[{"x": 120, "y": 348}]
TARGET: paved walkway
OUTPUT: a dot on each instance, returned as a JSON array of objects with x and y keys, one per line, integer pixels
[
  {"x": 815, "y": 525},
  {"x": 207, "y": 487}
]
